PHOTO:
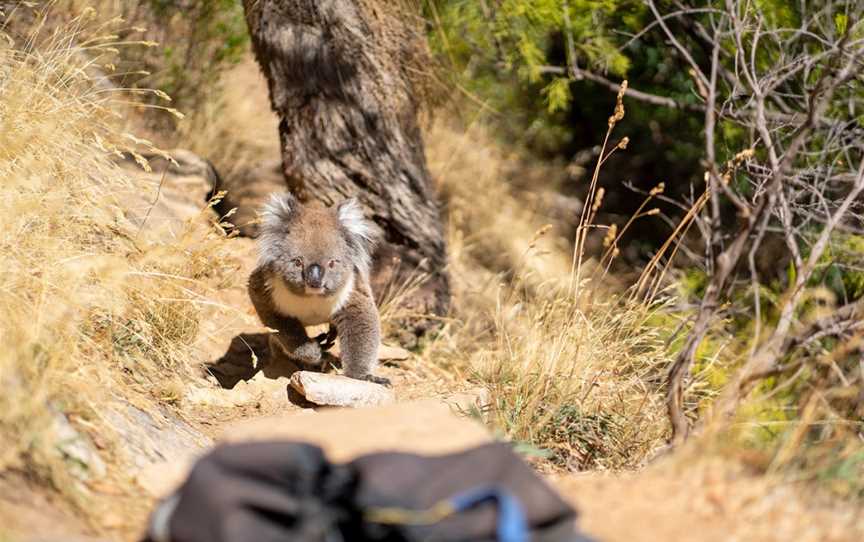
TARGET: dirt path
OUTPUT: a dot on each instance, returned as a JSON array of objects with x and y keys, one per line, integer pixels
[
  {"x": 682, "y": 498},
  {"x": 160, "y": 443},
  {"x": 230, "y": 333},
  {"x": 677, "y": 499},
  {"x": 708, "y": 500}
]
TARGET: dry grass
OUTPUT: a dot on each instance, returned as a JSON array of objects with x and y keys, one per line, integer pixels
[
  {"x": 572, "y": 366},
  {"x": 90, "y": 308},
  {"x": 575, "y": 373},
  {"x": 577, "y": 366}
]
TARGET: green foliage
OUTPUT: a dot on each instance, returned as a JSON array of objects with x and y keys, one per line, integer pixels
[
  {"x": 841, "y": 268},
  {"x": 557, "y": 94},
  {"x": 692, "y": 283},
  {"x": 522, "y": 59},
  {"x": 517, "y": 56},
  {"x": 841, "y": 21},
  {"x": 846, "y": 475},
  {"x": 215, "y": 36},
  {"x": 766, "y": 421},
  {"x": 584, "y": 435},
  {"x": 487, "y": 44}
]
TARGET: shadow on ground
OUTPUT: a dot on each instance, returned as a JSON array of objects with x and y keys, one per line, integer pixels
[{"x": 248, "y": 354}]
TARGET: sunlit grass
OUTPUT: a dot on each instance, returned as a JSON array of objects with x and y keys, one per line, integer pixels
[{"x": 91, "y": 308}]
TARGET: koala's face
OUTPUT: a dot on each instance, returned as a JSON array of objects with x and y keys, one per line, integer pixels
[
  {"x": 315, "y": 249},
  {"x": 316, "y": 259}
]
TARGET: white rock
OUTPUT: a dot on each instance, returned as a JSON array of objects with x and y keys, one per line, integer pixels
[{"x": 335, "y": 390}]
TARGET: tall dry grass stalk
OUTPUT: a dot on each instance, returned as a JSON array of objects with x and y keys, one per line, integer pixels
[
  {"x": 572, "y": 365},
  {"x": 91, "y": 309}
]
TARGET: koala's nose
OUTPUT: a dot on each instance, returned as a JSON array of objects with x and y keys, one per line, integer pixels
[{"x": 314, "y": 275}]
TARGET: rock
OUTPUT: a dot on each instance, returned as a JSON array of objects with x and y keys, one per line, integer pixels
[
  {"x": 392, "y": 353},
  {"x": 217, "y": 397},
  {"x": 335, "y": 390},
  {"x": 154, "y": 437},
  {"x": 77, "y": 449},
  {"x": 262, "y": 387},
  {"x": 159, "y": 445},
  {"x": 170, "y": 194},
  {"x": 423, "y": 427},
  {"x": 257, "y": 389}
]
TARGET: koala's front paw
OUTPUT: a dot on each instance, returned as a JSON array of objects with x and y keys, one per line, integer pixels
[
  {"x": 378, "y": 380},
  {"x": 308, "y": 353}
]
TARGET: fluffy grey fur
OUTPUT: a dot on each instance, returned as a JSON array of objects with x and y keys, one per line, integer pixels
[
  {"x": 314, "y": 268},
  {"x": 360, "y": 230}
]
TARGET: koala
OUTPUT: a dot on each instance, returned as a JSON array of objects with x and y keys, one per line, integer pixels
[{"x": 313, "y": 269}]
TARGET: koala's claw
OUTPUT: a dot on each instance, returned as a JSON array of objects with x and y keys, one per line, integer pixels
[
  {"x": 378, "y": 380},
  {"x": 326, "y": 339}
]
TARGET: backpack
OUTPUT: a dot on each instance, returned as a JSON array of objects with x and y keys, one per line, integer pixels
[{"x": 289, "y": 491}]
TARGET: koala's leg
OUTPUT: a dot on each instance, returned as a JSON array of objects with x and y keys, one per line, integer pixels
[
  {"x": 291, "y": 340},
  {"x": 359, "y": 331}
]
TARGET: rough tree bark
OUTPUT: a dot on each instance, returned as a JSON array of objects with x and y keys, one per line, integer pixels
[{"x": 340, "y": 80}]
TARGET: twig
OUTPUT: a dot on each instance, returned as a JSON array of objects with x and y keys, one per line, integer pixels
[
  {"x": 646, "y": 97},
  {"x": 155, "y": 200},
  {"x": 763, "y": 204}
]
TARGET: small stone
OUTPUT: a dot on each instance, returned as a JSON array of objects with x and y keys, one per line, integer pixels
[
  {"x": 392, "y": 353},
  {"x": 334, "y": 390},
  {"x": 217, "y": 397}
]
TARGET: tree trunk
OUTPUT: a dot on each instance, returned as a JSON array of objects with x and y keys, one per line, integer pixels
[{"x": 340, "y": 79}]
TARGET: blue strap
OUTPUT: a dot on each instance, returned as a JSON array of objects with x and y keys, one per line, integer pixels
[{"x": 511, "y": 523}]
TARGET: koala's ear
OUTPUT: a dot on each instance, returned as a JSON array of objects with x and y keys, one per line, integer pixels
[
  {"x": 350, "y": 214},
  {"x": 278, "y": 211}
]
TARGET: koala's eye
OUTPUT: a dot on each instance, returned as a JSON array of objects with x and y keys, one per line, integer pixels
[
  {"x": 297, "y": 262},
  {"x": 332, "y": 263}
]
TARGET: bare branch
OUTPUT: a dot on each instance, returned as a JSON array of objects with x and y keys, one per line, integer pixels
[
  {"x": 646, "y": 97},
  {"x": 786, "y": 145},
  {"x": 681, "y": 49}
]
